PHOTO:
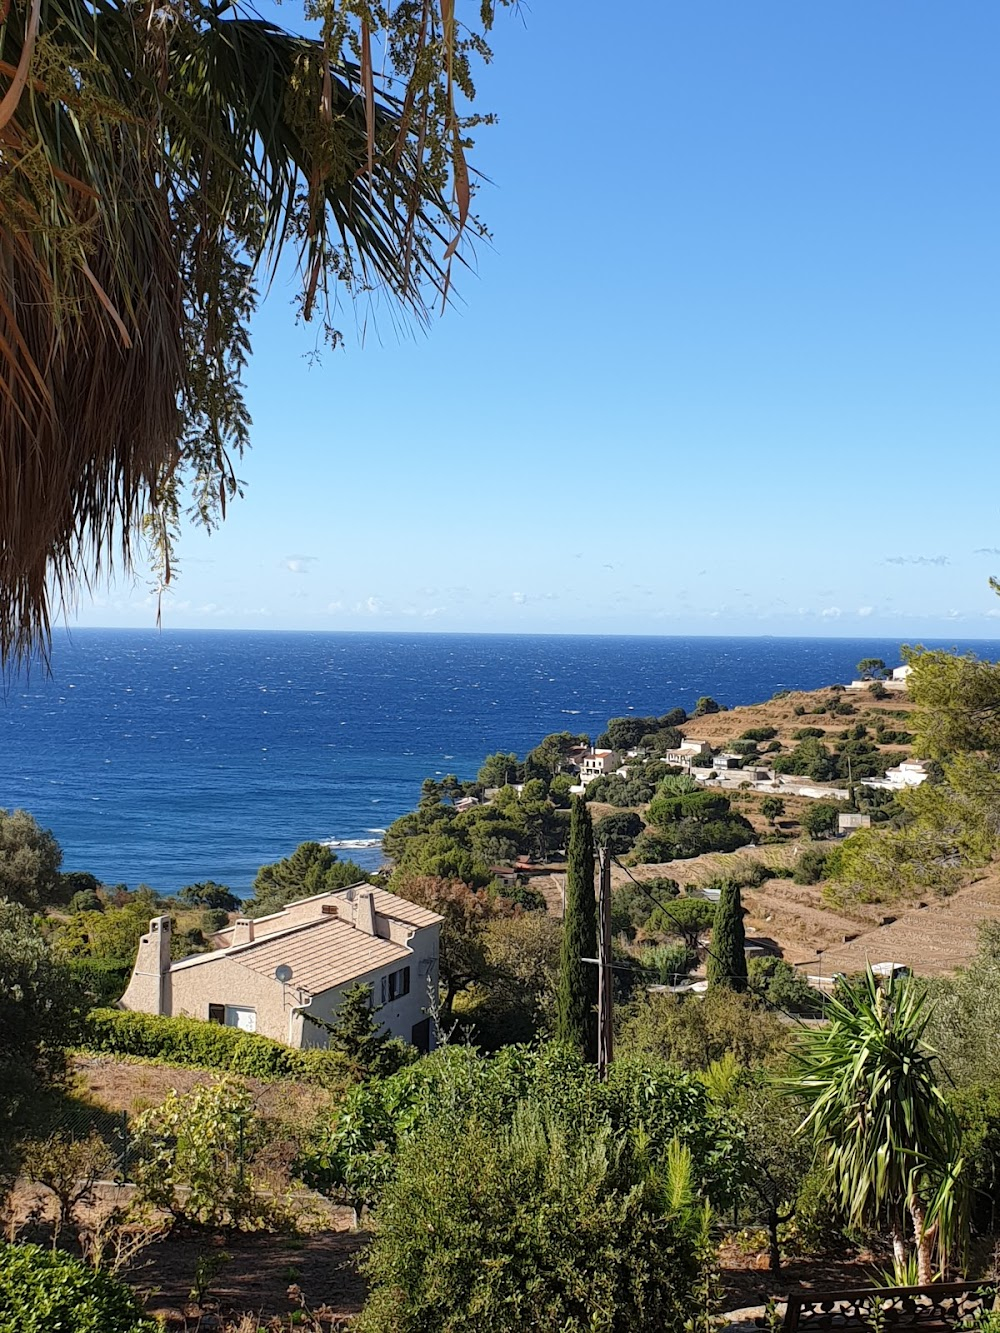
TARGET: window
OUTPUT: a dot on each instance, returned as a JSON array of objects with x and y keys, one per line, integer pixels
[
  {"x": 399, "y": 983},
  {"x": 216, "y": 1013},
  {"x": 237, "y": 1016}
]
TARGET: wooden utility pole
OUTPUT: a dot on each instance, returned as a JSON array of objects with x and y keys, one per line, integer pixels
[{"x": 605, "y": 973}]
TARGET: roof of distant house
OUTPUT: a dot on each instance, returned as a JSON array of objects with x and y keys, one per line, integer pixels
[{"x": 322, "y": 953}]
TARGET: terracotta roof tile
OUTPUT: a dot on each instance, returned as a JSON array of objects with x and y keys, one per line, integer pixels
[{"x": 322, "y": 954}]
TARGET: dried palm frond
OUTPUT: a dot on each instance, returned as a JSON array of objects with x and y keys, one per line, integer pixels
[{"x": 154, "y": 163}]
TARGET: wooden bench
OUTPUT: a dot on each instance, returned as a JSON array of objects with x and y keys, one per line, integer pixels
[{"x": 940, "y": 1308}]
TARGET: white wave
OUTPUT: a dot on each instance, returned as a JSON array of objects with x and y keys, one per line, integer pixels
[
  {"x": 375, "y": 830},
  {"x": 352, "y": 842}
]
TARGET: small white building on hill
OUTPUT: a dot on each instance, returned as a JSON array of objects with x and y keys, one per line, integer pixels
[{"x": 267, "y": 975}]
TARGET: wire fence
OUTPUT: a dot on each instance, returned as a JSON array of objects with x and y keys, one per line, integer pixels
[{"x": 76, "y": 1122}]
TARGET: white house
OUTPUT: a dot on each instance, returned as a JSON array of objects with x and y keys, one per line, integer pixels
[
  {"x": 682, "y": 755},
  {"x": 269, "y": 975},
  {"x": 726, "y": 759},
  {"x": 597, "y": 763},
  {"x": 900, "y": 673}
]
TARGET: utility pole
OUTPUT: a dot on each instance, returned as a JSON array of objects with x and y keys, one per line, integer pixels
[{"x": 605, "y": 974}]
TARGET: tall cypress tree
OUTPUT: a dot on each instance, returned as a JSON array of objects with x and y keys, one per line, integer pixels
[
  {"x": 727, "y": 963},
  {"x": 577, "y": 999}
]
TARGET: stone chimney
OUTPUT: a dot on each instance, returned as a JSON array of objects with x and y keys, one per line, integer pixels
[
  {"x": 242, "y": 931},
  {"x": 148, "y": 991},
  {"x": 364, "y": 912}
]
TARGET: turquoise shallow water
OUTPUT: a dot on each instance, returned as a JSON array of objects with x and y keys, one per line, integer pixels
[{"x": 167, "y": 758}]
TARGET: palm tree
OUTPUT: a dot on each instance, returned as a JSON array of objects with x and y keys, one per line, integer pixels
[
  {"x": 879, "y": 1121},
  {"x": 156, "y": 159}
]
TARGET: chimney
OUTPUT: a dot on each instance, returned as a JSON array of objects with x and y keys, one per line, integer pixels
[
  {"x": 148, "y": 991},
  {"x": 242, "y": 931},
  {"x": 364, "y": 912}
]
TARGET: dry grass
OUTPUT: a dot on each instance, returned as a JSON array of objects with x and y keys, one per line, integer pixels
[{"x": 134, "y": 1086}]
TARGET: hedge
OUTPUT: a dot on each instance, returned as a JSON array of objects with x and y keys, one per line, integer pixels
[
  {"x": 190, "y": 1041},
  {"x": 46, "y": 1291}
]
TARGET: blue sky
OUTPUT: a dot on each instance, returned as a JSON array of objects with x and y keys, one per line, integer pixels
[{"x": 729, "y": 366}]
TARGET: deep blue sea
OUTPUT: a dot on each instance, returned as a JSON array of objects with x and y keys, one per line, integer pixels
[{"x": 165, "y": 758}]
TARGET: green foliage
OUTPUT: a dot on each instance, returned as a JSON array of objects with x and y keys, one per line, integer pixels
[
  {"x": 191, "y": 1042},
  {"x": 706, "y": 705},
  {"x": 617, "y": 832},
  {"x": 964, "y": 1023},
  {"x": 811, "y": 865},
  {"x": 780, "y": 986},
  {"x": 577, "y": 997},
  {"x": 85, "y": 900},
  {"x": 820, "y": 818},
  {"x": 873, "y": 668},
  {"x": 43, "y": 1290},
  {"x": 356, "y": 1154},
  {"x": 632, "y": 905},
  {"x": 462, "y": 960},
  {"x": 517, "y": 999},
  {"x": 878, "y": 1118},
  {"x": 359, "y": 1037},
  {"x": 29, "y": 862},
  {"x": 776, "y": 1156},
  {"x": 686, "y": 917},
  {"x": 759, "y": 734},
  {"x": 102, "y": 981},
  {"x": 207, "y": 893},
  {"x": 633, "y": 733},
  {"x": 193, "y": 1156},
  {"x": 497, "y": 770},
  {"x": 666, "y": 964},
  {"x": 311, "y": 869},
  {"x": 693, "y": 1034},
  {"x": 772, "y": 808},
  {"x": 551, "y": 753},
  {"x": 534, "y": 1225},
  {"x": 727, "y": 961},
  {"x": 806, "y": 733},
  {"x": 39, "y": 1014},
  {"x": 112, "y": 931}
]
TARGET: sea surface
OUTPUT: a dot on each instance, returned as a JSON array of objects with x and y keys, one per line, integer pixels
[{"x": 165, "y": 758}]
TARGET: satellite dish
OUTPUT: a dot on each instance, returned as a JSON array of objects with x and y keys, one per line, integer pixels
[{"x": 283, "y": 973}]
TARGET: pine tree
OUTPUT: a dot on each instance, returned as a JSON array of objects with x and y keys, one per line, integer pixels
[
  {"x": 727, "y": 963},
  {"x": 577, "y": 998}
]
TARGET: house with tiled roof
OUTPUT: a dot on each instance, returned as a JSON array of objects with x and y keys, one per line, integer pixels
[{"x": 270, "y": 975}]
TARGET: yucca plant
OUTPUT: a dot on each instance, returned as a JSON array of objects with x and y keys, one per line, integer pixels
[
  {"x": 880, "y": 1123},
  {"x": 156, "y": 159}
]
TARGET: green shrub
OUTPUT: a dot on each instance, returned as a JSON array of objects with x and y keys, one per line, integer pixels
[
  {"x": 811, "y": 866},
  {"x": 102, "y": 980},
  {"x": 46, "y": 1291},
  {"x": 804, "y": 733},
  {"x": 195, "y": 1155},
  {"x": 533, "y": 1226},
  {"x": 759, "y": 734},
  {"x": 189, "y": 1041}
]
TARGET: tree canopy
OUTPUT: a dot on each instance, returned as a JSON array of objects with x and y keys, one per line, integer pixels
[
  {"x": 311, "y": 868},
  {"x": 30, "y": 859}
]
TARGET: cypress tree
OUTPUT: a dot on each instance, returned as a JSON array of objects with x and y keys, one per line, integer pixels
[
  {"x": 577, "y": 998},
  {"x": 727, "y": 963}
]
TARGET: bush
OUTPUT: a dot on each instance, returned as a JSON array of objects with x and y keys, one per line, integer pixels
[
  {"x": 102, "y": 980},
  {"x": 804, "y": 733},
  {"x": 759, "y": 734},
  {"x": 189, "y": 1041},
  {"x": 45, "y": 1291},
  {"x": 194, "y": 1157},
  {"x": 532, "y": 1226},
  {"x": 811, "y": 866}
]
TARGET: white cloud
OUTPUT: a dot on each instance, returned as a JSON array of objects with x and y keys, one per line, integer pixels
[
  {"x": 831, "y": 612},
  {"x": 866, "y": 611},
  {"x": 519, "y": 597},
  {"x": 298, "y": 564}
]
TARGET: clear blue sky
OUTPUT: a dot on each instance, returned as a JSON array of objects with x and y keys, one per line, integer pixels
[{"x": 730, "y": 366}]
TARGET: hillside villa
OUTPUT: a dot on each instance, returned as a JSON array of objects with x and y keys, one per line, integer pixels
[{"x": 271, "y": 974}]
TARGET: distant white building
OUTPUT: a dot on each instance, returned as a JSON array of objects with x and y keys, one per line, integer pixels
[
  {"x": 901, "y": 673},
  {"x": 683, "y": 755},
  {"x": 726, "y": 759},
  {"x": 910, "y": 773},
  {"x": 597, "y": 764},
  {"x": 851, "y": 821}
]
